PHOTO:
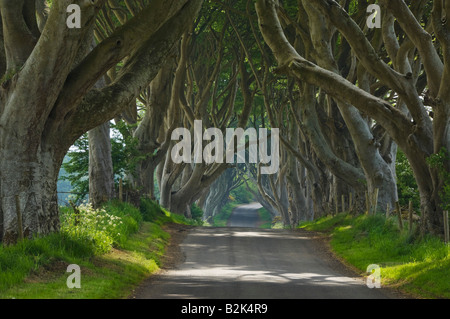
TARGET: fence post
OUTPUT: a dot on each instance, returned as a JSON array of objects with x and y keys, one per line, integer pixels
[
  {"x": 446, "y": 228},
  {"x": 410, "y": 217},
  {"x": 399, "y": 214},
  {"x": 388, "y": 210},
  {"x": 120, "y": 189},
  {"x": 19, "y": 218},
  {"x": 337, "y": 204},
  {"x": 367, "y": 203},
  {"x": 375, "y": 201},
  {"x": 350, "y": 201}
]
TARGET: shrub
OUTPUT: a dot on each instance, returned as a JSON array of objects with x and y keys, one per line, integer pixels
[
  {"x": 406, "y": 183},
  {"x": 440, "y": 162},
  {"x": 95, "y": 227},
  {"x": 130, "y": 216},
  {"x": 150, "y": 210},
  {"x": 197, "y": 213},
  {"x": 242, "y": 195}
]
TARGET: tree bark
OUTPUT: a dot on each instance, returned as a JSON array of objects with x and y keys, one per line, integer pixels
[
  {"x": 32, "y": 176},
  {"x": 101, "y": 176},
  {"x": 151, "y": 133}
]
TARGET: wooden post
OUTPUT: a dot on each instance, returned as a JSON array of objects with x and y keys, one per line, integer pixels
[
  {"x": 350, "y": 201},
  {"x": 367, "y": 203},
  {"x": 120, "y": 189},
  {"x": 399, "y": 214},
  {"x": 446, "y": 228},
  {"x": 19, "y": 219},
  {"x": 343, "y": 203},
  {"x": 410, "y": 217},
  {"x": 388, "y": 210},
  {"x": 337, "y": 204},
  {"x": 375, "y": 201}
]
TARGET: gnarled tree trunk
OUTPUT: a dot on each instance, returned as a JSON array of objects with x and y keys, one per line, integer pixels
[
  {"x": 101, "y": 176},
  {"x": 28, "y": 181},
  {"x": 47, "y": 100}
]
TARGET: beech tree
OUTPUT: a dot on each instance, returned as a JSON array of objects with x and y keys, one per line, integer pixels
[
  {"x": 212, "y": 85},
  {"x": 344, "y": 93},
  {"x": 218, "y": 194},
  {"x": 397, "y": 72},
  {"x": 47, "y": 94}
]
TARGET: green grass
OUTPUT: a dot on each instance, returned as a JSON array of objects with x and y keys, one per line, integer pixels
[
  {"x": 152, "y": 211},
  {"x": 265, "y": 218},
  {"x": 420, "y": 266},
  {"x": 37, "y": 268},
  {"x": 221, "y": 220}
]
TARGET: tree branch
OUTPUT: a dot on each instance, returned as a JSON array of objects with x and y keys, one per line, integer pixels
[
  {"x": 18, "y": 39},
  {"x": 372, "y": 62},
  {"x": 421, "y": 39},
  {"x": 112, "y": 50},
  {"x": 292, "y": 63},
  {"x": 143, "y": 65}
]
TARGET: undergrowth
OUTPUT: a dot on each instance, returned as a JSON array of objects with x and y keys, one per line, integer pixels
[{"x": 126, "y": 241}]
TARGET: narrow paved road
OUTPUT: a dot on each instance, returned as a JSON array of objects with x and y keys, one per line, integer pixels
[
  {"x": 235, "y": 263},
  {"x": 245, "y": 216}
]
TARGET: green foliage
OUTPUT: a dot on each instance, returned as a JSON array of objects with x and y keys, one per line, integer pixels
[
  {"x": 367, "y": 239},
  {"x": 18, "y": 261},
  {"x": 238, "y": 196},
  {"x": 406, "y": 183},
  {"x": 241, "y": 195},
  {"x": 197, "y": 213},
  {"x": 221, "y": 220},
  {"x": 130, "y": 216},
  {"x": 440, "y": 161},
  {"x": 124, "y": 149},
  {"x": 100, "y": 228},
  {"x": 124, "y": 154},
  {"x": 265, "y": 217},
  {"x": 84, "y": 235},
  {"x": 150, "y": 210},
  {"x": 76, "y": 167}
]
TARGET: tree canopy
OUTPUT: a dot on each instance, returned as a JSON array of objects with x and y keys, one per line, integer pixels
[{"x": 346, "y": 94}]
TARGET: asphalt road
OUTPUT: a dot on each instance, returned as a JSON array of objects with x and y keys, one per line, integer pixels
[
  {"x": 251, "y": 263},
  {"x": 245, "y": 216}
]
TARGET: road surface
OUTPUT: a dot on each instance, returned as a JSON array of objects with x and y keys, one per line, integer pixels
[
  {"x": 245, "y": 216},
  {"x": 251, "y": 263}
]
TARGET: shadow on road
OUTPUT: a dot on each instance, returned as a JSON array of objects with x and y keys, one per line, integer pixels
[{"x": 249, "y": 263}]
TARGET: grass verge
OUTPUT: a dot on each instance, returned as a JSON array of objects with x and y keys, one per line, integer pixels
[
  {"x": 265, "y": 218},
  {"x": 418, "y": 266},
  {"x": 36, "y": 269},
  {"x": 221, "y": 220}
]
